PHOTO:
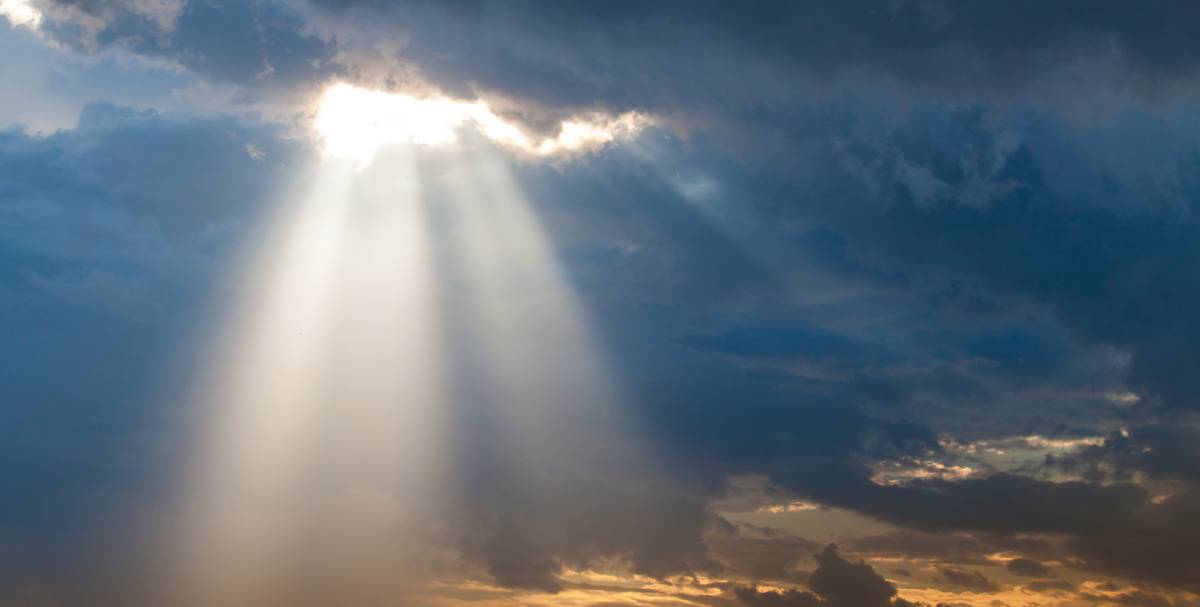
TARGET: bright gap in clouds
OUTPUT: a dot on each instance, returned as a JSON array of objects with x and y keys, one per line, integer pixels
[
  {"x": 355, "y": 122},
  {"x": 21, "y": 13}
]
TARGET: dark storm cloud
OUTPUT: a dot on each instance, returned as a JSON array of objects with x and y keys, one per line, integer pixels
[
  {"x": 783, "y": 342},
  {"x": 959, "y": 345},
  {"x": 1002, "y": 503},
  {"x": 990, "y": 270},
  {"x": 669, "y": 55},
  {"x": 1156, "y": 546},
  {"x": 1113, "y": 529},
  {"x": 524, "y": 527},
  {"x": 1134, "y": 597},
  {"x": 1049, "y": 586},
  {"x": 967, "y": 579},
  {"x": 253, "y": 45},
  {"x": 835, "y": 583},
  {"x": 1011, "y": 234},
  {"x": 112, "y": 235},
  {"x": 702, "y": 62},
  {"x": 1169, "y": 452},
  {"x": 716, "y": 421},
  {"x": 842, "y": 583},
  {"x": 1103, "y": 261},
  {"x": 1028, "y": 568},
  {"x": 776, "y": 598},
  {"x": 820, "y": 448},
  {"x": 985, "y": 214},
  {"x": 760, "y": 554},
  {"x": 949, "y": 548},
  {"x": 1025, "y": 247}
]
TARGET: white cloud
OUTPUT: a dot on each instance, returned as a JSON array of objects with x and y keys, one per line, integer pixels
[
  {"x": 21, "y": 13},
  {"x": 355, "y": 122}
]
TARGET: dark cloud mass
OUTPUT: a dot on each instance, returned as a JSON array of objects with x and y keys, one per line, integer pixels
[
  {"x": 836, "y": 583},
  {"x": 967, "y": 579},
  {"x": 921, "y": 278},
  {"x": 1028, "y": 568},
  {"x": 669, "y": 54},
  {"x": 254, "y": 45},
  {"x": 112, "y": 232}
]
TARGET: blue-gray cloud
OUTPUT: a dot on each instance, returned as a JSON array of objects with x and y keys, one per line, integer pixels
[
  {"x": 253, "y": 45},
  {"x": 112, "y": 235}
]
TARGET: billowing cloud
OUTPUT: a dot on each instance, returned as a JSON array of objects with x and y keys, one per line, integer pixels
[
  {"x": 111, "y": 236},
  {"x": 262, "y": 47},
  {"x": 835, "y": 583},
  {"x": 661, "y": 56}
]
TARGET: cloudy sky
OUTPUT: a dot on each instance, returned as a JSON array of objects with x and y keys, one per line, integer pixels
[{"x": 795, "y": 304}]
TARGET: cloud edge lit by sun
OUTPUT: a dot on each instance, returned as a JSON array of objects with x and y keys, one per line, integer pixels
[{"x": 354, "y": 123}]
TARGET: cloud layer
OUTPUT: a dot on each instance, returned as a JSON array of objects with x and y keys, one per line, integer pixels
[{"x": 923, "y": 271}]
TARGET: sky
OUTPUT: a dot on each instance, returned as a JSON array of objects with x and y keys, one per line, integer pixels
[{"x": 772, "y": 304}]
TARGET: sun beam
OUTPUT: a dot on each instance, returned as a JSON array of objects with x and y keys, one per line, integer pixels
[
  {"x": 327, "y": 447},
  {"x": 323, "y": 400}
]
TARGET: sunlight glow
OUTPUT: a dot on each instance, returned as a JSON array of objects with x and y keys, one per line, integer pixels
[
  {"x": 377, "y": 305},
  {"x": 323, "y": 401},
  {"x": 355, "y": 122},
  {"x": 21, "y": 13}
]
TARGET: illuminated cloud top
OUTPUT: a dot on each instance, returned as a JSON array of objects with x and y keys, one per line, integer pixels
[{"x": 354, "y": 123}]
